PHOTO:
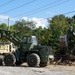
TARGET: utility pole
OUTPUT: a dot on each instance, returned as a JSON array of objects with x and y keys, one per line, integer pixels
[
  {"x": 8, "y": 24},
  {"x": 8, "y": 30}
]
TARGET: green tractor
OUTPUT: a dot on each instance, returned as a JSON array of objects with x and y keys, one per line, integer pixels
[{"x": 28, "y": 50}]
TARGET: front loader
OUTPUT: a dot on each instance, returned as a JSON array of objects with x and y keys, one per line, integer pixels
[{"x": 28, "y": 50}]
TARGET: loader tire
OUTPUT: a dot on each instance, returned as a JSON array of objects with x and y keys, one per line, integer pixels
[
  {"x": 9, "y": 59},
  {"x": 33, "y": 60},
  {"x": 1, "y": 60}
]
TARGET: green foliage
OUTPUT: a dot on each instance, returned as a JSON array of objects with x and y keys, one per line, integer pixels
[
  {"x": 59, "y": 22},
  {"x": 3, "y": 26},
  {"x": 43, "y": 35},
  {"x": 24, "y": 27},
  {"x": 59, "y": 25}
]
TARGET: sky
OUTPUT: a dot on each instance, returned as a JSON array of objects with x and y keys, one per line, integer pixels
[{"x": 34, "y": 10}]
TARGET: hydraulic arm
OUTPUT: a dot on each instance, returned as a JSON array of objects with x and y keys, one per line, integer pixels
[{"x": 11, "y": 36}]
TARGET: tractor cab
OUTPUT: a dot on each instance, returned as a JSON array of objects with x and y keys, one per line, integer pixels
[
  {"x": 29, "y": 42},
  {"x": 30, "y": 39}
]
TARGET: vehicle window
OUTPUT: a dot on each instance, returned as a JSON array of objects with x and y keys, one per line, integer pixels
[
  {"x": 34, "y": 40},
  {"x": 29, "y": 40}
]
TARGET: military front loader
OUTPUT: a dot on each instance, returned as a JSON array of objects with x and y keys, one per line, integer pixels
[{"x": 28, "y": 50}]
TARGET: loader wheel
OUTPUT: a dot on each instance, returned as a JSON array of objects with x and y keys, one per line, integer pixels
[
  {"x": 33, "y": 60},
  {"x": 1, "y": 60},
  {"x": 9, "y": 60}
]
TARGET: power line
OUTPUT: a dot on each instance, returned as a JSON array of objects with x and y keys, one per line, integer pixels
[
  {"x": 48, "y": 7},
  {"x": 42, "y": 8},
  {"x": 17, "y": 7},
  {"x": 69, "y": 12},
  {"x": 6, "y": 3},
  {"x": 65, "y": 13},
  {"x": 38, "y": 8}
]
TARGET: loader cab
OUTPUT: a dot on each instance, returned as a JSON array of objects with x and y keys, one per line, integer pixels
[
  {"x": 30, "y": 39},
  {"x": 28, "y": 43}
]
